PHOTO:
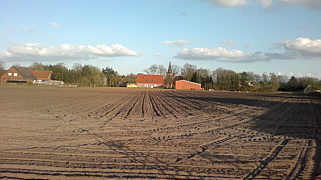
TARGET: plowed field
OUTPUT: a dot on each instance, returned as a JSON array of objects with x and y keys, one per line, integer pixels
[{"x": 115, "y": 133}]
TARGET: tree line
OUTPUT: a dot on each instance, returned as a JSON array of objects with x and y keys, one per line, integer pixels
[
  {"x": 81, "y": 75},
  {"x": 224, "y": 79},
  {"x": 2, "y": 70},
  {"x": 219, "y": 79}
]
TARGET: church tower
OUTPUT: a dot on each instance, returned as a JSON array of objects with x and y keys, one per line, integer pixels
[{"x": 169, "y": 77}]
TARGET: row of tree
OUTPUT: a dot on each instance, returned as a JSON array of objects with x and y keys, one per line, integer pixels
[
  {"x": 220, "y": 79},
  {"x": 82, "y": 75},
  {"x": 223, "y": 79}
]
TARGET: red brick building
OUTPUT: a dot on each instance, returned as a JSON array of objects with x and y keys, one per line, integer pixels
[
  {"x": 187, "y": 85},
  {"x": 18, "y": 74},
  {"x": 149, "y": 81}
]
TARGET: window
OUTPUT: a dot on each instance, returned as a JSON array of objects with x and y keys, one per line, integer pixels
[
  {"x": 15, "y": 74},
  {"x": 9, "y": 74}
]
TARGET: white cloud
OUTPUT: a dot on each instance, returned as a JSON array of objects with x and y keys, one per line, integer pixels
[
  {"x": 179, "y": 43},
  {"x": 300, "y": 48},
  {"x": 303, "y": 74},
  {"x": 229, "y": 43},
  {"x": 220, "y": 54},
  {"x": 266, "y": 3},
  {"x": 54, "y": 24},
  {"x": 32, "y": 52},
  {"x": 303, "y": 47},
  {"x": 313, "y": 4},
  {"x": 228, "y": 3}
]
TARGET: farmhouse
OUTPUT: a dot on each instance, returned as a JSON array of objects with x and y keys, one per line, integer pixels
[
  {"x": 183, "y": 84},
  {"x": 18, "y": 74},
  {"x": 149, "y": 81}
]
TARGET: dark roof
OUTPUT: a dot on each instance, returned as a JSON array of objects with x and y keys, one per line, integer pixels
[
  {"x": 177, "y": 78},
  {"x": 150, "y": 79},
  {"x": 25, "y": 72}
]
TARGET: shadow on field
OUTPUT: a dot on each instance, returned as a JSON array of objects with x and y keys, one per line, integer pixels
[
  {"x": 144, "y": 159},
  {"x": 288, "y": 115}
]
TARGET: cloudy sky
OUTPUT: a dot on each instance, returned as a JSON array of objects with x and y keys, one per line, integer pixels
[{"x": 281, "y": 36}]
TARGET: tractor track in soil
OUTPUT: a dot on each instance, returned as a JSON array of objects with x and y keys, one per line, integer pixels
[{"x": 157, "y": 134}]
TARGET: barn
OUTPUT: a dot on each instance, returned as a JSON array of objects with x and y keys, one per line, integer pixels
[
  {"x": 187, "y": 85},
  {"x": 17, "y": 74},
  {"x": 149, "y": 80}
]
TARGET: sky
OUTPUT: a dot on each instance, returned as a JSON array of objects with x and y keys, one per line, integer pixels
[{"x": 279, "y": 36}]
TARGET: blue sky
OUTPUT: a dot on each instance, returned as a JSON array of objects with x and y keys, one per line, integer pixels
[{"x": 243, "y": 35}]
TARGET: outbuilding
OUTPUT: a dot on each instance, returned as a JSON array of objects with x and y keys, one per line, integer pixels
[
  {"x": 187, "y": 85},
  {"x": 131, "y": 85}
]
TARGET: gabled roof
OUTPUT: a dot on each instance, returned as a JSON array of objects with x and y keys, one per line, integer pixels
[
  {"x": 25, "y": 72},
  {"x": 42, "y": 75},
  {"x": 150, "y": 79}
]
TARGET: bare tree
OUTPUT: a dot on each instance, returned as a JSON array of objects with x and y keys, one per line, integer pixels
[
  {"x": 152, "y": 69},
  {"x": 203, "y": 73},
  {"x": 112, "y": 77},
  {"x": 156, "y": 69},
  {"x": 1, "y": 68},
  {"x": 161, "y": 70},
  {"x": 130, "y": 78},
  {"x": 274, "y": 82},
  {"x": 38, "y": 66},
  {"x": 176, "y": 70},
  {"x": 188, "y": 70},
  {"x": 226, "y": 79}
]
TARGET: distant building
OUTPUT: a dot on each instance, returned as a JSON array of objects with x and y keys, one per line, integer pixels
[
  {"x": 131, "y": 85},
  {"x": 18, "y": 74},
  {"x": 187, "y": 85},
  {"x": 149, "y": 81},
  {"x": 169, "y": 77}
]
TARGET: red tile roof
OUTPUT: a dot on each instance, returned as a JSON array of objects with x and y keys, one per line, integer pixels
[
  {"x": 42, "y": 75},
  {"x": 150, "y": 79}
]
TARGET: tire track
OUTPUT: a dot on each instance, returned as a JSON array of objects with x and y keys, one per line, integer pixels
[
  {"x": 183, "y": 128},
  {"x": 267, "y": 160},
  {"x": 104, "y": 174},
  {"x": 300, "y": 163}
]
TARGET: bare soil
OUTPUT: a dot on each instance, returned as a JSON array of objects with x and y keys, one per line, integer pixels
[{"x": 115, "y": 133}]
